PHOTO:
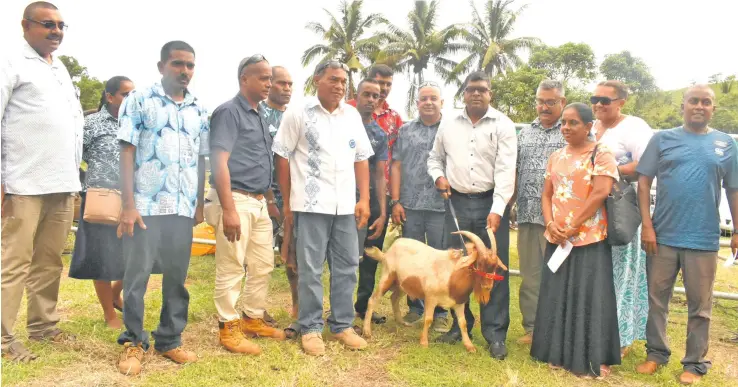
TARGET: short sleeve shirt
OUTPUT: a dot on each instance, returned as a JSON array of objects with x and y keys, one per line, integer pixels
[
  {"x": 378, "y": 141},
  {"x": 571, "y": 176},
  {"x": 689, "y": 169},
  {"x": 101, "y": 150},
  {"x": 168, "y": 137},
  {"x": 417, "y": 189},
  {"x": 240, "y": 130}
]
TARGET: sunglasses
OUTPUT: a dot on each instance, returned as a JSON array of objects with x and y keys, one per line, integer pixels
[
  {"x": 602, "y": 100},
  {"x": 332, "y": 64},
  {"x": 251, "y": 60},
  {"x": 50, "y": 25}
]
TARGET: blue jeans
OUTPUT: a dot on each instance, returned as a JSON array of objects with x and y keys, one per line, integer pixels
[
  {"x": 426, "y": 227},
  {"x": 320, "y": 237}
]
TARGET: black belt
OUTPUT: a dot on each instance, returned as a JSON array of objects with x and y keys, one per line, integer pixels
[{"x": 478, "y": 195}]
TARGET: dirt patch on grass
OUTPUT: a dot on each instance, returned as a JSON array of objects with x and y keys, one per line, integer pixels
[{"x": 372, "y": 372}]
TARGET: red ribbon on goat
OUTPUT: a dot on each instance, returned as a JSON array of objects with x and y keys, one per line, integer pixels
[{"x": 491, "y": 276}]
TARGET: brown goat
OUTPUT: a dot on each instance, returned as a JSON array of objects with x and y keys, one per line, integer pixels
[{"x": 442, "y": 278}]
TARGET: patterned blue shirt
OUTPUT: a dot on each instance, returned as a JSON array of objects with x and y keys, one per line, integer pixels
[
  {"x": 380, "y": 146},
  {"x": 168, "y": 137}
]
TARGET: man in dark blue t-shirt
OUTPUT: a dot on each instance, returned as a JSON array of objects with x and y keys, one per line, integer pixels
[{"x": 689, "y": 163}]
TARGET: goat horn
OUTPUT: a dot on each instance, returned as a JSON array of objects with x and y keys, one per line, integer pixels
[
  {"x": 481, "y": 248},
  {"x": 492, "y": 242}
]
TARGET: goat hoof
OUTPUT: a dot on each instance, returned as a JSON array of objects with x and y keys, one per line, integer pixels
[
  {"x": 471, "y": 348},
  {"x": 407, "y": 324},
  {"x": 424, "y": 343},
  {"x": 367, "y": 334}
]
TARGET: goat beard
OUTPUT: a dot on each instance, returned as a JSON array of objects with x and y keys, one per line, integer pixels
[{"x": 482, "y": 293}]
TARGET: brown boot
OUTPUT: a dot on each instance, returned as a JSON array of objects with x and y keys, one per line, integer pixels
[
  {"x": 129, "y": 362},
  {"x": 647, "y": 368},
  {"x": 232, "y": 338},
  {"x": 256, "y": 327},
  {"x": 350, "y": 339},
  {"x": 312, "y": 344},
  {"x": 180, "y": 356},
  {"x": 689, "y": 378},
  {"x": 527, "y": 339}
]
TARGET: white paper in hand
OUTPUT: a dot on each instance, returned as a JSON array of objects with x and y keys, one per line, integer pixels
[
  {"x": 559, "y": 256},
  {"x": 730, "y": 261}
]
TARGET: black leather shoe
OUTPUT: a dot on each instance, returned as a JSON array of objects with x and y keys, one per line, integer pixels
[
  {"x": 498, "y": 350},
  {"x": 451, "y": 337}
]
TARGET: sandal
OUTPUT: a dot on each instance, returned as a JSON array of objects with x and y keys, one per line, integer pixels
[
  {"x": 269, "y": 320},
  {"x": 292, "y": 331},
  {"x": 18, "y": 353},
  {"x": 55, "y": 335},
  {"x": 117, "y": 307}
]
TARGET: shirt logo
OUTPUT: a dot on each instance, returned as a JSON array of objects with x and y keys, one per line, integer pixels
[
  {"x": 352, "y": 144},
  {"x": 721, "y": 143},
  {"x": 719, "y": 152}
]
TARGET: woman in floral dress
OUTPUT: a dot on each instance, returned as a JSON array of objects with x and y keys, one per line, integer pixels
[
  {"x": 576, "y": 321},
  {"x": 98, "y": 253}
]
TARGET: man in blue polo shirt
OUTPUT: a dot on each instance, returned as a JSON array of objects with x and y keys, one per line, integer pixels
[{"x": 689, "y": 163}]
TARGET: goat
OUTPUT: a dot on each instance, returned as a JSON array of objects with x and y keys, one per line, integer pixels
[{"x": 442, "y": 278}]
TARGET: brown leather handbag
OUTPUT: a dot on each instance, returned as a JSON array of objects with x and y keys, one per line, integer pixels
[{"x": 102, "y": 206}]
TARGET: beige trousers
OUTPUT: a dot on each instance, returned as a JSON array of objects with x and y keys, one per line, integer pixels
[
  {"x": 252, "y": 253},
  {"x": 34, "y": 230}
]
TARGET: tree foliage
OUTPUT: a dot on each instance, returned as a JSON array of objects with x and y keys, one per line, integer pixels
[
  {"x": 629, "y": 69},
  {"x": 568, "y": 62},
  {"x": 90, "y": 88},
  {"x": 346, "y": 39},
  {"x": 514, "y": 93}
]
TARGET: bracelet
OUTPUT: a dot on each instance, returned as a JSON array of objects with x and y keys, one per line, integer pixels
[
  {"x": 271, "y": 202},
  {"x": 549, "y": 223}
]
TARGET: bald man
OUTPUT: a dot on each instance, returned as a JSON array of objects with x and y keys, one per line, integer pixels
[{"x": 690, "y": 163}]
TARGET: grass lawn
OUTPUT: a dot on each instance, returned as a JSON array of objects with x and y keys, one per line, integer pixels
[{"x": 394, "y": 357}]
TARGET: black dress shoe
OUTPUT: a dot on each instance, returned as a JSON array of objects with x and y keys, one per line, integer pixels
[
  {"x": 498, "y": 350},
  {"x": 451, "y": 337}
]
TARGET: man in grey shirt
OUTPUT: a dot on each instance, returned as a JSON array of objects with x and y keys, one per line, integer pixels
[
  {"x": 415, "y": 202},
  {"x": 535, "y": 145},
  {"x": 41, "y": 152},
  {"x": 238, "y": 208}
]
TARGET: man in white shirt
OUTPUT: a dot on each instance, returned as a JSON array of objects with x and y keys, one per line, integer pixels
[
  {"x": 42, "y": 124},
  {"x": 473, "y": 165},
  {"x": 316, "y": 146}
]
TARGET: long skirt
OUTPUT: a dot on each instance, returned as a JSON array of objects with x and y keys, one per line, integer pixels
[
  {"x": 631, "y": 290},
  {"x": 576, "y": 321},
  {"x": 98, "y": 253}
]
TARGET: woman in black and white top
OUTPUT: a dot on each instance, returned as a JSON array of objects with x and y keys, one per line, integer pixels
[{"x": 98, "y": 253}]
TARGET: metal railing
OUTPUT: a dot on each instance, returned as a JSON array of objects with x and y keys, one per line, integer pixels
[{"x": 516, "y": 273}]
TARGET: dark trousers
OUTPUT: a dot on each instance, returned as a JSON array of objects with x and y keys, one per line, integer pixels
[
  {"x": 167, "y": 241},
  {"x": 367, "y": 265},
  {"x": 472, "y": 216}
]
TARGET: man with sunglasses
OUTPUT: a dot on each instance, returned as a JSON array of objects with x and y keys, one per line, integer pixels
[
  {"x": 42, "y": 123},
  {"x": 690, "y": 164},
  {"x": 536, "y": 143},
  {"x": 322, "y": 154},
  {"x": 416, "y": 204},
  {"x": 473, "y": 166},
  {"x": 239, "y": 210}
]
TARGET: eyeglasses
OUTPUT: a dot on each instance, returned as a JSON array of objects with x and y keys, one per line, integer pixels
[
  {"x": 249, "y": 61},
  {"x": 332, "y": 64},
  {"x": 50, "y": 25},
  {"x": 594, "y": 100},
  {"x": 548, "y": 102},
  {"x": 479, "y": 89}
]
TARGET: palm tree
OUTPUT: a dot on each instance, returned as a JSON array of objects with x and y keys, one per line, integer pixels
[
  {"x": 488, "y": 44},
  {"x": 412, "y": 50},
  {"x": 343, "y": 40}
]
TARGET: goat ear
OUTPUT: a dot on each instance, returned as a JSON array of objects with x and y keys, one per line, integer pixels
[{"x": 467, "y": 260}]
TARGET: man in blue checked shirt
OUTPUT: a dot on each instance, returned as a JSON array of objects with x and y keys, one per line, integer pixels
[{"x": 164, "y": 136}]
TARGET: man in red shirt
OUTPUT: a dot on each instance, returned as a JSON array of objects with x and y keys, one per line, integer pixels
[{"x": 390, "y": 121}]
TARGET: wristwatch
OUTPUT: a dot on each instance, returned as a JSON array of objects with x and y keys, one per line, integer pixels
[
  {"x": 271, "y": 202},
  {"x": 393, "y": 202}
]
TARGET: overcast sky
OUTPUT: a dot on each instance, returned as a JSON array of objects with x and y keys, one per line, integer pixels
[{"x": 681, "y": 41}]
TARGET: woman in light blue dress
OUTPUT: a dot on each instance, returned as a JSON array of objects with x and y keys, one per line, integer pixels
[{"x": 627, "y": 137}]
